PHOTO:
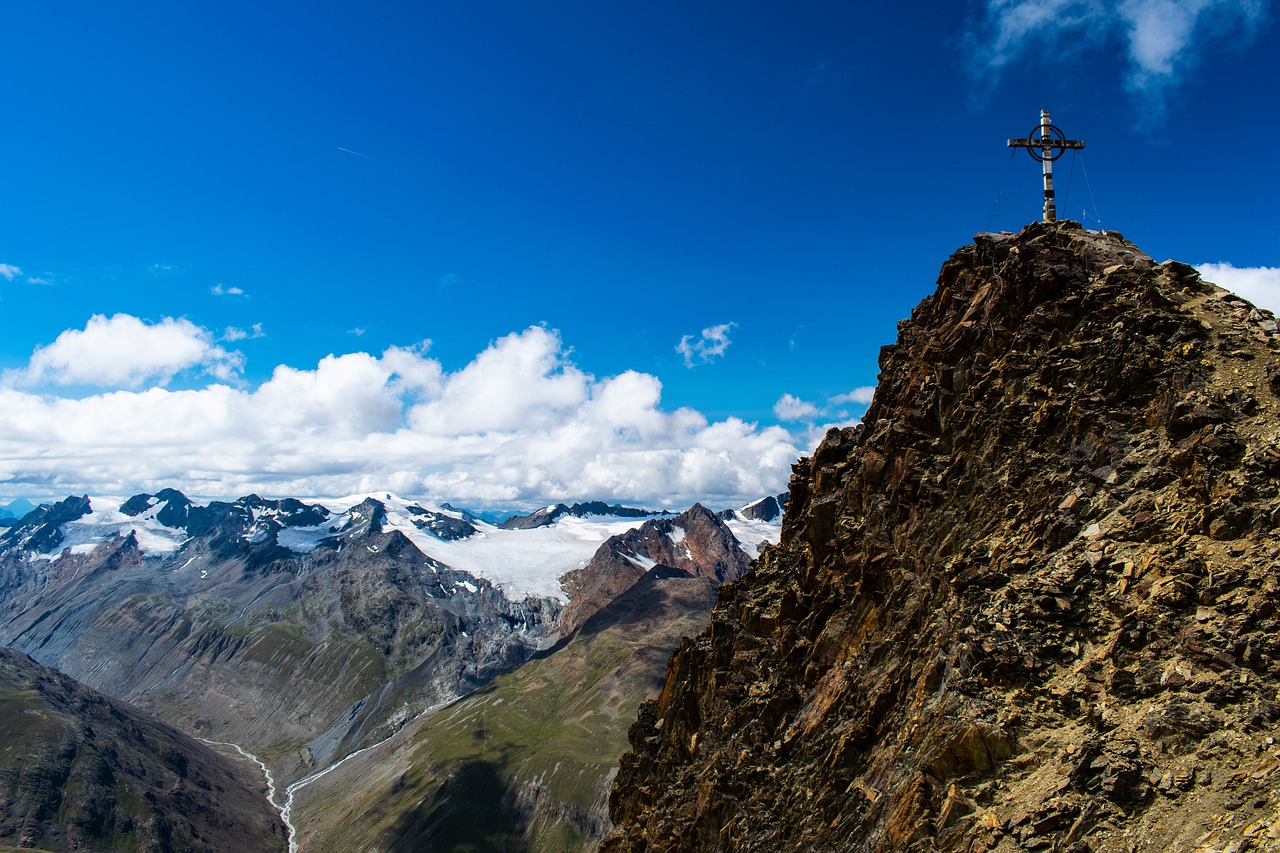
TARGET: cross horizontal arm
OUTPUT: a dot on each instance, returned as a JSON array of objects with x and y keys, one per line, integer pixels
[{"x": 1046, "y": 143}]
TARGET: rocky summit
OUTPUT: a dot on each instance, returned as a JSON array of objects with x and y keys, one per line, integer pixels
[{"x": 1030, "y": 603}]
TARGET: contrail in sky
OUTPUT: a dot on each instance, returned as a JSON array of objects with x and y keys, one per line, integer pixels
[{"x": 357, "y": 153}]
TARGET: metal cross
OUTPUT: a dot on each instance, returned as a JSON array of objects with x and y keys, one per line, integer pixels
[{"x": 1051, "y": 144}]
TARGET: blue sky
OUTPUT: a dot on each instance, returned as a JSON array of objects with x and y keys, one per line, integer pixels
[{"x": 654, "y": 248}]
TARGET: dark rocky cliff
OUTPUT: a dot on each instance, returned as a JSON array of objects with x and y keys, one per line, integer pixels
[{"x": 1030, "y": 603}]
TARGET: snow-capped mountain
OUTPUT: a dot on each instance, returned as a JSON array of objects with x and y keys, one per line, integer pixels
[
  {"x": 758, "y": 523},
  {"x": 317, "y": 624},
  {"x": 524, "y": 556}
]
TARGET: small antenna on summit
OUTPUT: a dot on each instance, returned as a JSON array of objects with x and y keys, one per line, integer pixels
[{"x": 1049, "y": 146}]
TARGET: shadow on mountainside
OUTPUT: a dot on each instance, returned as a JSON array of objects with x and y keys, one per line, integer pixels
[
  {"x": 469, "y": 813},
  {"x": 651, "y": 598}
]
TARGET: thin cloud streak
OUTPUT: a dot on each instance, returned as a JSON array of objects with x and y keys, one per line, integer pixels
[{"x": 358, "y": 154}]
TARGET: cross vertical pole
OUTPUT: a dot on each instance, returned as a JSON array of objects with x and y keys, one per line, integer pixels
[
  {"x": 1050, "y": 209},
  {"x": 1051, "y": 144}
]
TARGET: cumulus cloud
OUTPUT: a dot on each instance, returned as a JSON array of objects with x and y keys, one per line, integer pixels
[
  {"x": 817, "y": 419},
  {"x": 10, "y": 272},
  {"x": 710, "y": 345},
  {"x": 219, "y": 290},
  {"x": 1163, "y": 39},
  {"x": 861, "y": 395},
  {"x": 791, "y": 408},
  {"x": 125, "y": 352},
  {"x": 1259, "y": 285},
  {"x": 519, "y": 424}
]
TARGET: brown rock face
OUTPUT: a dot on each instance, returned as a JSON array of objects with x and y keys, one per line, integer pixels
[
  {"x": 1030, "y": 603},
  {"x": 693, "y": 544}
]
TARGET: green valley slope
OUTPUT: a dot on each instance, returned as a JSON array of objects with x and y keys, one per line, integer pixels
[{"x": 80, "y": 771}]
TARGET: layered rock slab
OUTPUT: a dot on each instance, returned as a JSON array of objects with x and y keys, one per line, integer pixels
[{"x": 1028, "y": 604}]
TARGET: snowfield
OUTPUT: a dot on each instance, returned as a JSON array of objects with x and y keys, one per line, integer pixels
[
  {"x": 750, "y": 533},
  {"x": 106, "y": 521},
  {"x": 520, "y": 563}
]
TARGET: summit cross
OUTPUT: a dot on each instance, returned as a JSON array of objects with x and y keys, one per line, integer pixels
[{"x": 1049, "y": 146}]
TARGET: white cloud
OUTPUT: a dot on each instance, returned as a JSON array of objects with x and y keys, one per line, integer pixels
[
  {"x": 1163, "y": 38},
  {"x": 10, "y": 272},
  {"x": 125, "y": 352},
  {"x": 712, "y": 344},
  {"x": 234, "y": 333},
  {"x": 519, "y": 424},
  {"x": 1259, "y": 285},
  {"x": 861, "y": 395},
  {"x": 219, "y": 290},
  {"x": 791, "y": 408}
]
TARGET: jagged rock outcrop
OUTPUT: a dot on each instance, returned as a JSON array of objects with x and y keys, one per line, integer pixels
[
  {"x": 79, "y": 771},
  {"x": 1029, "y": 604},
  {"x": 695, "y": 543}
]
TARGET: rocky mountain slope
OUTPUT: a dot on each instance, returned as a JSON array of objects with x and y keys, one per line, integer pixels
[
  {"x": 79, "y": 771},
  {"x": 279, "y": 625},
  {"x": 695, "y": 543},
  {"x": 1029, "y": 604},
  {"x": 303, "y": 633},
  {"x": 526, "y": 762}
]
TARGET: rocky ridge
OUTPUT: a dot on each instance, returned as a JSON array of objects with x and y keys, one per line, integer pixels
[
  {"x": 1030, "y": 603},
  {"x": 695, "y": 544},
  {"x": 767, "y": 508},
  {"x": 549, "y": 515}
]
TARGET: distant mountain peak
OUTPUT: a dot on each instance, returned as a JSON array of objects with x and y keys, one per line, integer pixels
[{"x": 553, "y": 513}]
